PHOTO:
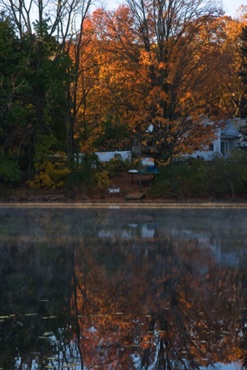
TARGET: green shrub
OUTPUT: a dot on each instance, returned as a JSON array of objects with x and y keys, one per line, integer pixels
[
  {"x": 101, "y": 179},
  {"x": 86, "y": 177},
  {"x": 80, "y": 177},
  {"x": 9, "y": 170},
  {"x": 117, "y": 165},
  {"x": 50, "y": 165},
  {"x": 181, "y": 180},
  {"x": 198, "y": 179},
  {"x": 228, "y": 177},
  {"x": 51, "y": 175}
]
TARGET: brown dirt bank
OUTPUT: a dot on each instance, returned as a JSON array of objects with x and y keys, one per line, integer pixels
[
  {"x": 130, "y": 192},
  {"x": 122, "y": 182}
]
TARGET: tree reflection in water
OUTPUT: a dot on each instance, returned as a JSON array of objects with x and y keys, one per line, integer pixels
[{"x": 122, "y": 289}]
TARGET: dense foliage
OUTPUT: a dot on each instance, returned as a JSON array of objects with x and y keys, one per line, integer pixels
[
  {"x": 33, "y": 98},
  {"x": 243, "y": 71},
  {"x": 148, "y": 72},
  {"x": 197, "y": 179}
]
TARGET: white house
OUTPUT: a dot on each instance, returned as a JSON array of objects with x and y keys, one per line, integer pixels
[{"x": 228, "y": 138}]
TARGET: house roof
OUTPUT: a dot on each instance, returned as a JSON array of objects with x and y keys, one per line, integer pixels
[{"x": 230, "y": 131}]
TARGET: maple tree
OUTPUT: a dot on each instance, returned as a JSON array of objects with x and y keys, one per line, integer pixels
[
  {"x": 170, "y": 58},
  {"x": 105, "y": 94},
  {"x": 229, "y": 88},
  {"x": 243, "y": 70},
  {"x": 164, "y": 70}
]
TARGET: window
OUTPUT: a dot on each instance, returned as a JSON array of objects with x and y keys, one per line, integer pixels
[
  {"x": 211, "y": 147},
  {"x": 224, "y": 148}
]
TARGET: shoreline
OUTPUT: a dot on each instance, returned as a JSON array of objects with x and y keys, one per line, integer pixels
[{"x": 122, "y": 205}]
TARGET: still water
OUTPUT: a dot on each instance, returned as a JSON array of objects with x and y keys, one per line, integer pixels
[{"x": 123, "y": 289}]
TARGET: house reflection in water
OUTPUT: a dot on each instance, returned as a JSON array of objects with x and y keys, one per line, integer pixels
[{"x": 145, "y": 289}]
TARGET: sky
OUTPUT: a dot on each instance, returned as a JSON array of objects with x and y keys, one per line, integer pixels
[{"x": 229, "y": 6}]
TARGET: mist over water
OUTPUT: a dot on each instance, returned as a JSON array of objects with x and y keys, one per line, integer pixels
[{"x": 123, "y": 288}]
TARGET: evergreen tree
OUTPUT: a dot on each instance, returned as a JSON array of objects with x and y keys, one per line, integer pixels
[
  {"x": 33, "y": 95},
  {"x": 13, "y": 112}
]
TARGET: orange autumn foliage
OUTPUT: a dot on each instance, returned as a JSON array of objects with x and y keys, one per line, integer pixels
[{"x": 137, "y": 74}]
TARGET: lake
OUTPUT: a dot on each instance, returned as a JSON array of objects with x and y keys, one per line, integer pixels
[{"x": 112, "y": 288}]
